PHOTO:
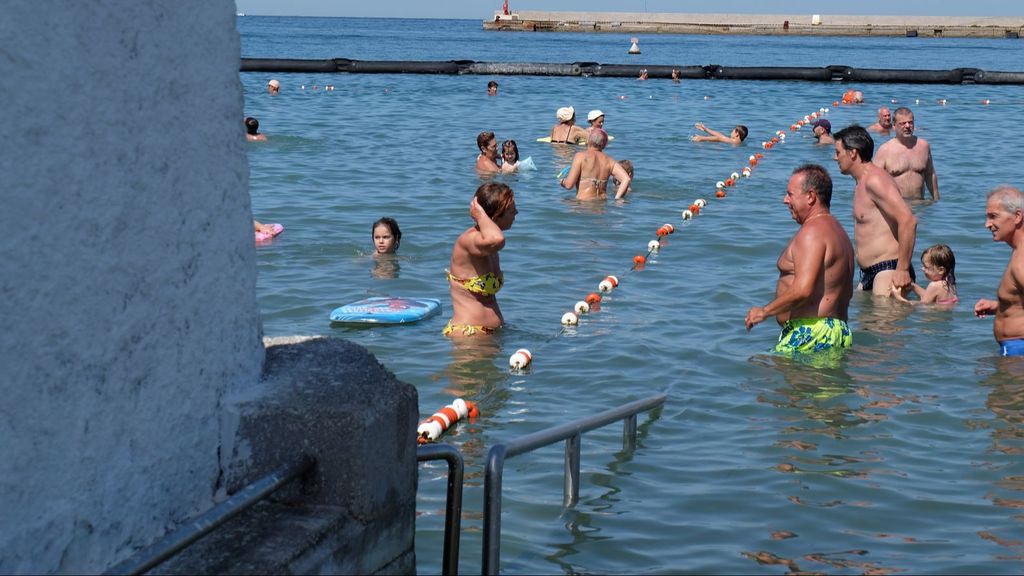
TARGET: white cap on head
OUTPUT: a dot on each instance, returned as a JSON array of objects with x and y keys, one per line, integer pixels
[
  {"x": 274, "y": 83},
  {"x": 565, "y": 114},
  {"x": 594, "y": 115}
]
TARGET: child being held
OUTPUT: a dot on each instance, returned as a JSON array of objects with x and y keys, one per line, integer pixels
[{"x": 938, "y": 264}]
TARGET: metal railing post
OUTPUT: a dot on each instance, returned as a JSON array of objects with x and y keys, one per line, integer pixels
[
  {"x": 205, "y": 523},
  {"x": 453, "y": 501},
  {"x": 572, "y": 433},
  {"x": 629, "y": 434},
  {"x": 571, "y": 494},
  {"x": 492, "y": 510}
]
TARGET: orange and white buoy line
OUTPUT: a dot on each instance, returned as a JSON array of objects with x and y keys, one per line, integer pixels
[
  {"x": 432, "y": 428},
  {"x": 520, "y": 359}
]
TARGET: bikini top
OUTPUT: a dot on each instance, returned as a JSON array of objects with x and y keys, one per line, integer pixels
[{"x": 487, "y": 284}]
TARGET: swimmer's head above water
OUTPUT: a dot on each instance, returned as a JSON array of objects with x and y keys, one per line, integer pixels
[{"x": 387, "y": 236}]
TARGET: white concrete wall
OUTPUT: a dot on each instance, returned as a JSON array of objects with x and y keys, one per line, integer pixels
[{"x": 127, "y": 273}]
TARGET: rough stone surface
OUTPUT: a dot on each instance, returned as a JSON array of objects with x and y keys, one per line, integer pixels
[
  {"x": 128, "y": 275},
  {"x": 332, "y": 400}
]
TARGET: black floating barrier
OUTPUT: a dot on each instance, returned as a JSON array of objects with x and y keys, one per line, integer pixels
[{"x": 834, "y": 73}]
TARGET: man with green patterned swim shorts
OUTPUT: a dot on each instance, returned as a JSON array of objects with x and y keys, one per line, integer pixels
[{"x": 815, "y": 285}]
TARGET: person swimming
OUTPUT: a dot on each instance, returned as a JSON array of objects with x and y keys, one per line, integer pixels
[
  {"x": 475, "y": 275},
  {"x": 387, "y": 236},
  {"x": 738, "y": 135},
  {"x": 566, "y": 131},
  {"x": 252, "y": 130}
]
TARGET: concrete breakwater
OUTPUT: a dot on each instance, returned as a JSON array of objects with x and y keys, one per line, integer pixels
[{"x": 759, "y": 24}]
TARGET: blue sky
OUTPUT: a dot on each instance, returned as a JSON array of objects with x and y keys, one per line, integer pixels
[{"x": 480, "y": 9}]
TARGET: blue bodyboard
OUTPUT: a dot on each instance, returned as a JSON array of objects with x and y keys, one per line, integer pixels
[{"x": 386, "y": 310}]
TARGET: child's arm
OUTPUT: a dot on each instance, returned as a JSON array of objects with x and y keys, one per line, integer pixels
[
  {"x": 932, "y": 294},
  {"x": 918, "y": 290}
]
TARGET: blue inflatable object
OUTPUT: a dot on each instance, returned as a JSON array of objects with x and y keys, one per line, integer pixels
[
  {"x": 565, "y": 172},
  {"x": 386, "y": 310}
]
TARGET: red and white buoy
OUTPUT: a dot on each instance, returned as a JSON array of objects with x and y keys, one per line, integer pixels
[{"x": 432, "y": 428}]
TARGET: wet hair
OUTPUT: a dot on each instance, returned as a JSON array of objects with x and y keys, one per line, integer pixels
[
  {"x": 492, "y": 84},
  {"x": 1010, "y": 199},
  {"x": 510, "y": 145},
  {"x": 495, "y": 198},
  {"x": 252, "y": 126},
  {"x": 627, "y": 165},
  {"x": 483, "y": 139},
  {"x": 902, "y": 111},
  {"x": 816, "y": 177},
  {"x": 942, "y": 255},
  {"x": 597, "y": 138},
  {"x": 742, "y": 131},
  {"x": 392, "y": 225},
  {"x": 855, "y": 137}
]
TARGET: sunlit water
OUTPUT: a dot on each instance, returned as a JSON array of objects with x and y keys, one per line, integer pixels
[{"x": 903, "y": 457}]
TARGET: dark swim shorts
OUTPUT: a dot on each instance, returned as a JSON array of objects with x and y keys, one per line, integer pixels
[{"x": 867, "y": 275}]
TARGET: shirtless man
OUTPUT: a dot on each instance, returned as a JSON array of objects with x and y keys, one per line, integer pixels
[
  {"x": 883, "y": 226},
  {"x": 815, "y": 285},
  {"x": 590, "y": 171},
  {"x": 884, "y": 124},
  {"x": 738, "y": 134},
  {"x": 566, "y": 131},
  {"x": 823, "y": 131},
  {"x": 487, "y": 161},
  {"x": 252, "y": 130},
  {"x": 909, "y": 159},
  {"x": 1004, "y": 217}
]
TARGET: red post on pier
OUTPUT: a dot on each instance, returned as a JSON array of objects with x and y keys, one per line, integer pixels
[{"x": 504, "y": 8}]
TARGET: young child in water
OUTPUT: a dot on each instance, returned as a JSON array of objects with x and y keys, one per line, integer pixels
[
  {"x": 386, "y": 236},
  {"x": 509, "y": 156},
  {"x": 938, "y": 264}
]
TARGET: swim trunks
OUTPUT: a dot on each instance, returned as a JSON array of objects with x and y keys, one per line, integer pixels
[
  {"x": 814, "y": 335},
  {"x": 867, "y": 275},
  {"x": 1012, "y": 347}
]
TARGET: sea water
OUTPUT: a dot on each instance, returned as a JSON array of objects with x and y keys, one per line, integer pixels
[{"x": 903, "y": 457}]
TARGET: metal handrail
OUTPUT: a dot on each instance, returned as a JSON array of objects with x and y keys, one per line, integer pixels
[
  {"x": 571, "y": 433},
  {"x": 453, "y": 501},
  {"x": 207, "y": 522}
]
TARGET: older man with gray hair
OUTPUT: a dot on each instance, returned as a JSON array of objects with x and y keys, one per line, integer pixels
[{"x": 1004, "y": 218}]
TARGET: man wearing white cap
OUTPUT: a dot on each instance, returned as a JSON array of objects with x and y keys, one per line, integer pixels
[
  {"x": 596, "y": 120},
  {"x": 273, "y": 87},
  {"x": 566, "y": 131}
]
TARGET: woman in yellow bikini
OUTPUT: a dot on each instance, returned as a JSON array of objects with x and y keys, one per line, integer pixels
[{"x": 475, "y": 274}]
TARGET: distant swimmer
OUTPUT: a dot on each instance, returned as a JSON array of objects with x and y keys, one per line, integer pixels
[
  {"x": 643, "y": 75},
  {"x": 858, "y": 97},
  {"x": 474, "y": 274},
  {"x": 909, "y": 159},
  {"x": 812, "y": 297},
  {"x": 566, "y": 131},
  {"x": 675, "y": 75},
  {"x": 823, "y": 131},
  {"x": 883, "y": 226},
  {"x": 738, "y": 135},
  {"x": 273, "y": 87},
  {"x": 252, "y": 130},
  {"x": 487, "y": 160},
  {"x": 1004, "y": 217},
  {"x": 591, "y": 169},
  {"x": 596, "y": 120},
  {"x": 492, "y": 88},
  {"x": 884, "y": 124}
]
